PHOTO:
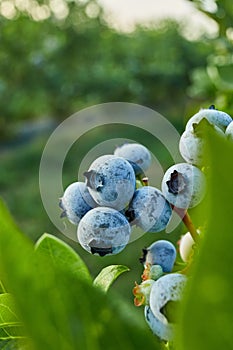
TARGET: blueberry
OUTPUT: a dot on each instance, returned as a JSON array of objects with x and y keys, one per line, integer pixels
[
  {"x": 111, "y": 181},
  {"x": 161, "y": 253},
  {"x": 149, "y": 209},
  {"x": 186, "y": 245},
  {"x": 183, "y": 185},
  {"x": 218, "y": 118},
  {"x": 191, "y": 148},
  {"x": 167, "y": 289},
  {"x": 192, "y": 144},
  {"x": 162, "y": 330},
  {"x": 229, "y": 131},
  {"x": 76, "y": 202},
  {"x": 138, "y": 155},
  {"x": 103, "y": 231}
]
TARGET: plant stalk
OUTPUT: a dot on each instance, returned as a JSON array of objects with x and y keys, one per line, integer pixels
[{"x": 184, "y": 215}]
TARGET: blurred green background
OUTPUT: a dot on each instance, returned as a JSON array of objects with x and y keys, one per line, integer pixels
[{"x": 56, "y": 60}]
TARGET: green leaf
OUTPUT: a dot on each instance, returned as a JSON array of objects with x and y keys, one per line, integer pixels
[
  {"x": 108, "y": 275},
  {"x": 14, "y": 344},
  {"x": 63, "y": 256},
  {"x": 10, "y": 325},
  {"x": 58, "y": 311},
  {"x": 207, "y": 318},
  {"x": 2, "y": 288}
]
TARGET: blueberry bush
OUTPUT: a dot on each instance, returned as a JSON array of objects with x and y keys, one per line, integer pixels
[{"x": 49, "y": 299}]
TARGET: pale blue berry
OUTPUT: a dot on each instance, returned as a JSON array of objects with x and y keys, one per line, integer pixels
[
  {"x": 183, "y": 185},
  {"x": 111, "y": 181},
  {"x": 229, "y": 131},
  {"x": 76, "y": 202},
  {"x": 103, "y": 231},
  {"x": 138, "y": 155},
  {"x": 161, "y": 253},
  {"x": 168, "y": 288},
  {"x": 215, "y": 117},
  {"x": 192, "y": 144},
  {"x": 149, "y": 209},
  {"x": 163, "y": 331}
]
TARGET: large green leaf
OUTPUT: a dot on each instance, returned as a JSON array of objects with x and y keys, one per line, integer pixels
[
  {"x": 63, "y": 256},
  {"x": 59, "y": 311},
  {"x": 10, "y": 325},
  {"x": 108, "y": 275},
  {"x": 14, "y": 344},
  {"x": 207, "y": 320},
  {"x": 2, "y": 289}
]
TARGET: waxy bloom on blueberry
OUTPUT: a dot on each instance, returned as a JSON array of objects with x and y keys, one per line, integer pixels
[
  {"x": 103, "y": 231},
  {"x": 192, "y": 142},
  {"x": 167, "y": 289},
  {"x": 76, "y": 202},
  {"x": 138, "y": 155},
  {"x": 229, "y": 131},
  {"x": 111, "y": 181},
  {"x": 215, "y": 117},
  {"x": 183, "y": 185},
  {"x": 149, "y": 209},
  {"x": 163, "y": 331},
  {"x": 161, "y": 253}
]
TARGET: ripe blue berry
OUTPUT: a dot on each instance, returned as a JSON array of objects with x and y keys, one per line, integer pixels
[
  {"x": 149, "y": 209},
  {"x": 192, "y": 142},
  {"x": 161, "y": 253},
  {"x": 76, "y": 202},
  {"x": 183, "y": 185},
  {"x": 168, "y": 288},
  {"x": 103, "y": 231},
  {"x": 138, "y": 156},
  {"x": 111, "y": 181},
  {"x": 215, "y": 117},
  {"x": 162, "y": 330},
  {"x": 229, "y": 131},
  {"x": 191, "y": 148}
]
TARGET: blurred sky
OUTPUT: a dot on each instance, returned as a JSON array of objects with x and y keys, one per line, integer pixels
[{"x": 124, "y": 14}]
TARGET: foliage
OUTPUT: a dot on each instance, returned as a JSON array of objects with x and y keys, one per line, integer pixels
[
  {"x": 214, "y": 81},
  {"x": 208, "y": 307},
  {"x": 60, "y": 308},
  {"x": 54, "y": 67}
]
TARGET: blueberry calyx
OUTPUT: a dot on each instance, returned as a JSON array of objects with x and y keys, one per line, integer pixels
[
  {"x": 142, "y": 259},
  {"x": 101, "y": 251},
  {"x": 212, "y": 107},
  {"x": 177, "y": 183},
  {"x": 130, "y": 215},
  {"x": 94, "y": 180},
  {"x": 63, "y": 214},
  {"x": 61, "y": 206}
]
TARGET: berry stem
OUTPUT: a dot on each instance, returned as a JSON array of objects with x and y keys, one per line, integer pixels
[{"x": 184, "y": 215}]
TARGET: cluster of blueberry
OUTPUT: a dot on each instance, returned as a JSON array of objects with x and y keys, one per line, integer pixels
[
  {"x": 106, "y": 206},
  {"x": 116, "y": 196},
  {"x": 160, "y": 288},
  {"x": 183, "y": 186}
]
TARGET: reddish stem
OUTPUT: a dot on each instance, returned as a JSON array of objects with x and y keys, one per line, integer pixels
[{"x": 184, "y": 215}]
